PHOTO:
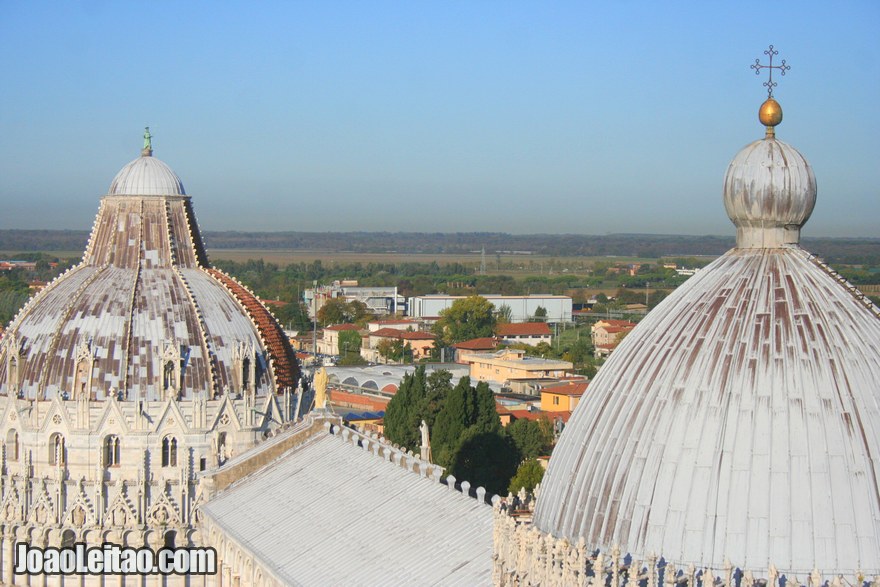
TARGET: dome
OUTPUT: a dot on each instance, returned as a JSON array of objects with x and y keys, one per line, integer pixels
[
  {"x": 146, "y": 176},
  {"x": 740, "y": 420},
  {"x": 769, "y": 193},
  {"x": 144, "y": 316}
]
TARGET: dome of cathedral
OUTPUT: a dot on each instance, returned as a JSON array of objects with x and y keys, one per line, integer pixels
[
  {"x": 144, "y": 316},
  {"x": 740, "y": 420},
  {"x": 146, "y": 176}
]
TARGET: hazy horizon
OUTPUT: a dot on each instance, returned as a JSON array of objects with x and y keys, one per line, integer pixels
[{"x": 519, "y": 118}]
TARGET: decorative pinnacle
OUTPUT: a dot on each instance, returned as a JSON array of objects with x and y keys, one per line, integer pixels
[
  {"x": 770, "y": 84},
  {"x": 148, "y": 143}
]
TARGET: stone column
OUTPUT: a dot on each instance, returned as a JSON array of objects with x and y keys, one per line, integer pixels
[
  {"x": 55, "y": 541},
  {"x": 155, "y": 542},
  {"x": 39, "y": 580},
  {"x": 8, "y": 557}
]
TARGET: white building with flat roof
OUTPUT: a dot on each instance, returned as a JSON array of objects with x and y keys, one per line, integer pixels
[{"x": 522, "y": 308}]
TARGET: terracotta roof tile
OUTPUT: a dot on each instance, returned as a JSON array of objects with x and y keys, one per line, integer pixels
[{"x": 524, "y": 329}]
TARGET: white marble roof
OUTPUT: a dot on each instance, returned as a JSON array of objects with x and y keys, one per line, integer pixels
[
  {"x": 740, "y": 420},
  {"x": 146, "y": 176},
  {"x": 331, "y": 512}
]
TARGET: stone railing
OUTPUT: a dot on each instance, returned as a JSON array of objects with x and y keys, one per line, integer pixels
[{"x": 525, "y": 557}]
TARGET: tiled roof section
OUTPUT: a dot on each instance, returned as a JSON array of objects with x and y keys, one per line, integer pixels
[
  {"x": 618, "y": 323},
  {"x": 344, "y": 511},
  {"x": 477, "y": 344},
  {"x": 524, "y": 329},
  {"x": 570, "y": 388},
  {"x": 407, "y": 335},
  {"x": 386, "y": 333},
  {"x": 618, "y": 329},
  {"x": 283, "y": 360},
  {"x": 341, "y": 327},
  {"x": 402, "y": 334}
]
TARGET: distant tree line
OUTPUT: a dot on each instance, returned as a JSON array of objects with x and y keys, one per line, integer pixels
[{"x": 653, "y": 246}]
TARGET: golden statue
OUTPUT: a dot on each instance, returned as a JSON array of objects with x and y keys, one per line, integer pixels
[{"x": 320, "y": 385}]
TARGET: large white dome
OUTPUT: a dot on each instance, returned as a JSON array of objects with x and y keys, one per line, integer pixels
[
  {"x": 740, "y": 421},
  {"x": 146, "y": 176}
]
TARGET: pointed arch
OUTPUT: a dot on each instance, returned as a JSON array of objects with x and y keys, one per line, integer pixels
[
  {"x": 169, "y": 451},
  {"x": 12, "y": 445}
]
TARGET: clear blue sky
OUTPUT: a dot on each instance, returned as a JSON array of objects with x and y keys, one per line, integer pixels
[{"x": 524, "y": 117}]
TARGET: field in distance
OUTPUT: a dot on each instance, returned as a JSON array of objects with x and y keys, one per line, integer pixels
[{"x": 287, "y": 257}]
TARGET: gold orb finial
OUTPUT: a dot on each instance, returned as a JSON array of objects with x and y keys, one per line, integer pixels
[{"x": 770, "y": 114}]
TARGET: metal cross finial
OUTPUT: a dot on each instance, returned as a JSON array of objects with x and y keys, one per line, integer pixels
[{"x": 770, "y": 84}]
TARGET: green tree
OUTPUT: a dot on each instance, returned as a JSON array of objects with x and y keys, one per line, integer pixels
[
  {"x": 528, "y": 475},
  {"x": 456, "y": 414},
  {"x": 485, "y": 412},
  {"x": 487, "y": 459},
  {"x": 532, "y": 439},
  {"x": 403, "y": 414},
  {"x": 540, "y": 314},
  {"x": 339, "y": 311},
  {"x": 333, "y": 311},
  {"x": 439, "y": 384},
  {"x": 349, "y": 342},
  {"x": 504, "y": 314},
  {"x": 350, "y": 348},
  {"x": 467, "y": 318}
]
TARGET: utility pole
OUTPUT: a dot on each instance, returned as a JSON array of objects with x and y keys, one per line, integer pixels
[{"x": 314, "y": 328}]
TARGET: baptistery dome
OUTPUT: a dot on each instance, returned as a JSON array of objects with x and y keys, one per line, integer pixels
[
  {"x": 128, "y": 375},
  {"x": 144, "y": 316},
  {"x": 738, "y": 426}
]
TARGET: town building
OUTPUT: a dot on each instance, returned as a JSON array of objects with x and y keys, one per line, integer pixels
[
  {"x": 419, "y": 344},
  {"x": 378, "y": 300},
  {"x": 562, "y": 397},
  {"x": 607, "y": 334},
  {"x": 510, "y": 365},
  {"x": 483, "y": 344},
  {"x": 522, "y": 308},
  {"x": 396, "y": 323},
  {"x": 328, "y": 344},
  {"x": 530, "y": 333}
]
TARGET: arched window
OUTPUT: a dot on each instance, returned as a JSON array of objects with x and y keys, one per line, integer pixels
[
  {"x": 111, "y": 451},
  {"x": 170, "y": 537},
  {"x": 245, "y": 373},
  {"x": 12, "y": 445},
  {"x": 168, "y": 376},
  {"x": 169, "y": 451},
  {"x": 68, "y": 537},
  {"x": 57, "y": 450}
]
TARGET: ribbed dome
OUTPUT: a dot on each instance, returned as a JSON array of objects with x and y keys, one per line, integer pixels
[
  {"x": 769, "y": 193},
  {"x": 146, "y": 176},
  {"x": 144, "y": 313},
  {"x": 740, "y": 421}
]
